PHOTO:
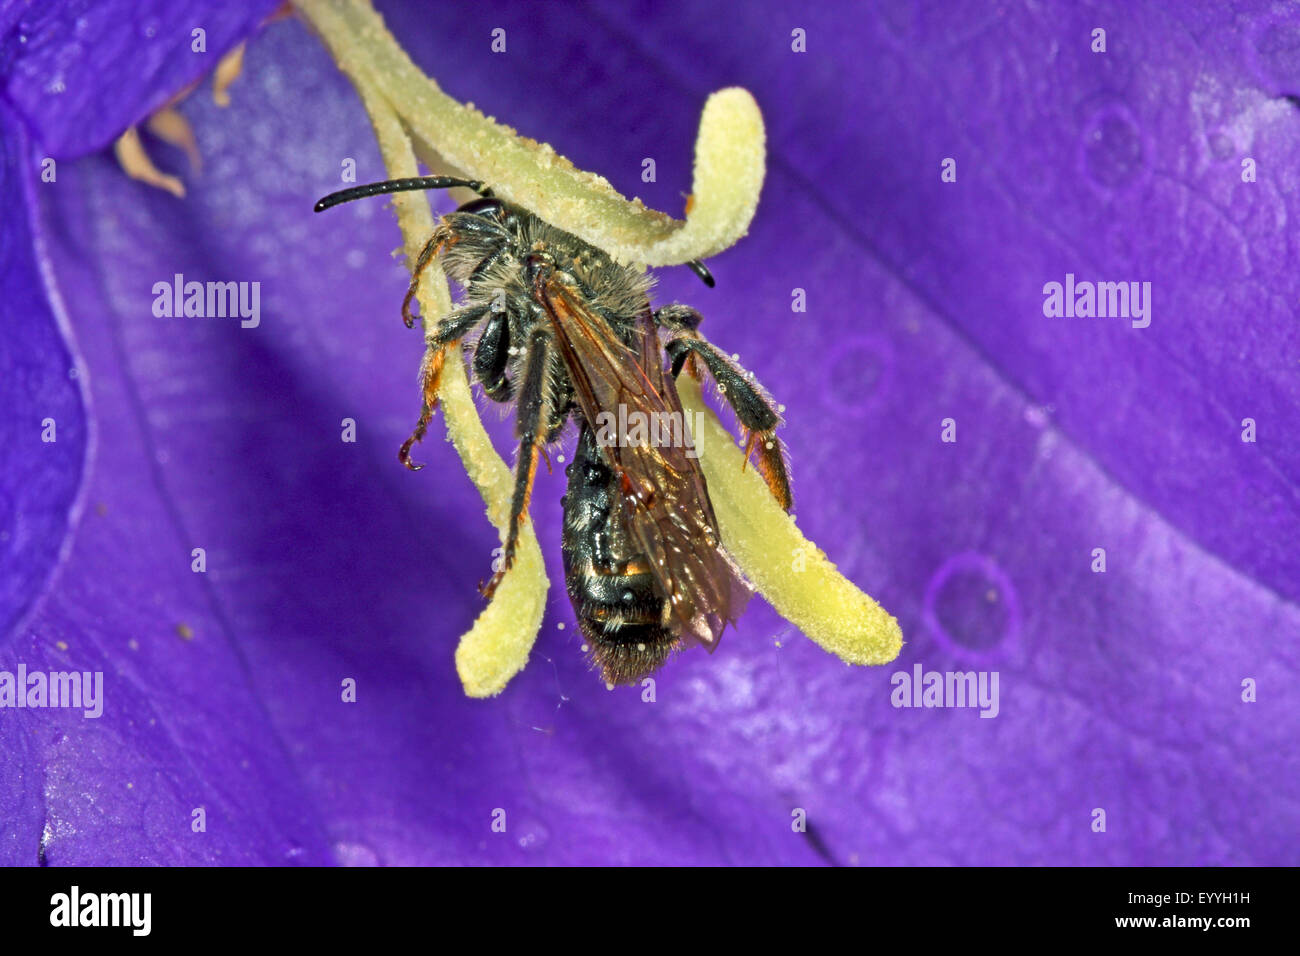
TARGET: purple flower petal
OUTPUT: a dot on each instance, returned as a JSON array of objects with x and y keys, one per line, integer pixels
[
  {"x": 39, "y": 481},
  {"x": 38, "y": 389},
  {"x": 120, "y": 788}
]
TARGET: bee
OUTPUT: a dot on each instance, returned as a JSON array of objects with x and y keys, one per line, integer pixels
[{"x": 558, "y": 328}]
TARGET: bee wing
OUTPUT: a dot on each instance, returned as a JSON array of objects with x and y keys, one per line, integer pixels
[{"x": 665, "y": 500}]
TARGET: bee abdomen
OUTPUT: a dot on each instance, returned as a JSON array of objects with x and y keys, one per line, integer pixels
[
  {"x": 615, "y": 596},
  {"x": 610, "y": 595}
]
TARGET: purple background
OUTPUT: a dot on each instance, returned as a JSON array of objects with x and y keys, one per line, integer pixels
[{"x": 328, "y": 561}]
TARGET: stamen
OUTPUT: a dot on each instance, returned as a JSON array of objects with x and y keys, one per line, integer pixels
[
  {"x": 228, "y": 69},
  {"x": 174, "y": 129},
  {"x": 135, "y": 162},
  {"x": 497, "y": 646},
  {"x": 791, "y": 572},
  {"x": 729, "y": 152}
]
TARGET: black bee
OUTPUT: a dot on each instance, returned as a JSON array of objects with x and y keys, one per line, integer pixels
[{"x": 563, "y": 331}]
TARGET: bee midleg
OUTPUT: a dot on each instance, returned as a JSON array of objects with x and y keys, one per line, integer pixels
[
  {"x": 533, "y": 422},
  {"x": 454, "y": 327},
  {"x": 441, "y": 236},
  {"x": 754, "y": 408}
]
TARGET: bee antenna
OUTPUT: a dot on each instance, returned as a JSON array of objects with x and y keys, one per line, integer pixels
[
  {"x": 398, "y": 186},
  {"x": 700, "y": 270}
]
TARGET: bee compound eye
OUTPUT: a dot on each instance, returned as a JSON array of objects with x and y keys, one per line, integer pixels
[{"x": 488, "y": 208}]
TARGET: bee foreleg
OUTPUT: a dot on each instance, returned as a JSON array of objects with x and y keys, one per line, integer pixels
[
  {"x": 441, "y": 237},
  {"x": 533, "y": 422},
  {"x": 754, "y": 408}
]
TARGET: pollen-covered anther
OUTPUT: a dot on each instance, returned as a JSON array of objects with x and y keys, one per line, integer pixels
[
  {"x": 811, "y": 593},
  {"x": 498, "y": 644},
  {"x": 729, "y": 167}
]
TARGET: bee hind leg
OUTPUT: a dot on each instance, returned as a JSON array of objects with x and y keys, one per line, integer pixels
[{"x": 754, "y": 408}]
